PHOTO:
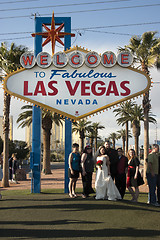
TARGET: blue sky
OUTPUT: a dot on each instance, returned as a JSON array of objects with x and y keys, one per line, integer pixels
[{"x": 104, "y": 25}]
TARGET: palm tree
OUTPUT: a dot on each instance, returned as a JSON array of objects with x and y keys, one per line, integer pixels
[
  {"x": 123, "y": 112},
  {"x": 47, "y": 119},
  {"x": 96, "y": 126},
  {"x": 136, "y": 116},
  {"x": 113, "y": 137},
  {"x": 9, "y": 62},
  {"x": 122, "y": 135},
  {"x": 91, "y": 135},
  {"x": 146, "y": 51},
  {"x": 81, "y": 127}
]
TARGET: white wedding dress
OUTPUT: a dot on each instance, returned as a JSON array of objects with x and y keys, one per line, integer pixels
[{"x": 105, "y": 187}]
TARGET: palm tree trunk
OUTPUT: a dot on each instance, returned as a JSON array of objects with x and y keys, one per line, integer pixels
[
  {"x": 114, "y": 143},
  {"x": 46, "y": 126},
  {"x": 126, "y": 149},
  {"x": 123, "y": 142},
  {"x": 136, "y": 139},
  {"x": 146, "y": 142},
  {"x": 95, "y": 143},
  {"x": 46, "y": 151},
  {"x": 91, "y": 142},
  {"x": 81, "y": 147},
  {"x": 146, "y": 107},
  {"x": 6, "y": 111}
]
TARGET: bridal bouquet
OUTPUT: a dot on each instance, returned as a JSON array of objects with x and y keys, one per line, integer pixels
[{"x": 99, "y": 164}]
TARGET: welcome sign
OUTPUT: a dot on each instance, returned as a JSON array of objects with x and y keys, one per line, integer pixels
[{"x": 77, "y": 83}]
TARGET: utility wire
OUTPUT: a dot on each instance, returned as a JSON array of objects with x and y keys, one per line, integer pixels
[
  {"x": 92, "y": 10},
  {"x": 127, "y": 34},
  {"x": 63, "y": 5},
  {"x": 113, "y": 33},
  {"x": 14, "y": 38},
  {"x": 86, "y": 29},
  {"x": 14, "y": 33},
  {"x": 120, "y": 25},
  {"x": 19, "y": 1},
  {"x": 116, "y": 8}
]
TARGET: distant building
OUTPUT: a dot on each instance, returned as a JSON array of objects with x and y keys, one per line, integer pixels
[
  {"x": 57, "y": 136},
  {"x": 157, "y": 142},
  {"x": 10, "y": 127}
]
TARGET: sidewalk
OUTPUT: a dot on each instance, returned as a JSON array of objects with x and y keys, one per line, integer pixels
[
  {"x": 53, "y": 181},
  {"x": 50, "y": 181}
]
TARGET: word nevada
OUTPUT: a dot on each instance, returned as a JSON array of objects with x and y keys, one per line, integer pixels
[{"x": 76, "y": 59}]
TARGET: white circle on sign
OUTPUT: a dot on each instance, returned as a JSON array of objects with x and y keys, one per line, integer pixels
[
  {"x": 60, "y": 59},
  {"x": 108, "y": 59},
  {"x": 125, "y": 59},
  {"x": 27, "y": 60},
  {"x": 76, "y": 59},
  {"x": 44, "y": 60},
  {"x": 92, "y": 59}
]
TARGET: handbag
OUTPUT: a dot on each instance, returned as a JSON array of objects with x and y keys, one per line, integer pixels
[{"x": 139, "y": 179}]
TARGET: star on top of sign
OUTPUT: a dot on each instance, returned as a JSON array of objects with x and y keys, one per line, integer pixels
[{"x": 54, "y": 34}]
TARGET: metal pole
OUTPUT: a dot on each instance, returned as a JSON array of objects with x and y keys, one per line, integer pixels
[
  {"x": 36, "y": 121},
  {"x": 36, "y": 126},
  {"x": 68, "y": 123}
]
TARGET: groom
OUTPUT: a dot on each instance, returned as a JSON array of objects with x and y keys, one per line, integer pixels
[{"x": 113, "y": 158}]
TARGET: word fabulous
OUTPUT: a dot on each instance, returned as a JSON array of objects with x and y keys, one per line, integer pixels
[
  {"x": 76, "y": 59},
  {"x": 75, "y": 84}
]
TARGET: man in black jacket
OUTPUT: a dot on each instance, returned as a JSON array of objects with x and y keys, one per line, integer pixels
[
  {"x": 122, "y": 168},
  {"x": 113, "y": 158}
]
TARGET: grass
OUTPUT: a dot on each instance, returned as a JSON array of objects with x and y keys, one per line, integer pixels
[{"x": 52, "y": 215}]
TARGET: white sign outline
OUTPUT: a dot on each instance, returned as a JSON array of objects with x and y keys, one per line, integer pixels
[{"x": 76, "y": 116}]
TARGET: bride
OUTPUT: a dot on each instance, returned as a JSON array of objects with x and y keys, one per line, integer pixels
[{"x": 105, "y": 187}]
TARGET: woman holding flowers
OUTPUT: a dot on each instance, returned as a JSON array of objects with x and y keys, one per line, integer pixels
[{"x": 105, "y": 187}]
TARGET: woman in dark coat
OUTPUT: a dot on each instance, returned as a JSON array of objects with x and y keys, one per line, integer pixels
[{"x": 87, "y": 162}]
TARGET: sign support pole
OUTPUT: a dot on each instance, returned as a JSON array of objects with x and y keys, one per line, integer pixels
[
  {"x": 35, "y": 157},
  {"x": 36, "y": 128},
  {"x": 68, "y": 122}
]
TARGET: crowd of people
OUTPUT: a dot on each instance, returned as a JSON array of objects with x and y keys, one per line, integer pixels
[{"x": 114, "y": 172}]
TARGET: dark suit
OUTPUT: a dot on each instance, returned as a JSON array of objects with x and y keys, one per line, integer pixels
[
  {"x": 120, "y": 179},
  {"x": 113, "y": 158}
]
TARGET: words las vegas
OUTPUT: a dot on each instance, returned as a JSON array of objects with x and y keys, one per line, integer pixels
[{"x": 90, "y": 83}]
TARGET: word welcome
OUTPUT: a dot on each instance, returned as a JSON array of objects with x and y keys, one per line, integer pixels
[{"x": 76, "y": 59}]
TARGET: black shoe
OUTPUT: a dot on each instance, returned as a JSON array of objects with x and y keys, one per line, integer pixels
[{"x": 92, "y": 191}]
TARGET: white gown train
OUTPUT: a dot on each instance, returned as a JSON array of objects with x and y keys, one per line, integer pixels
[{"x": 105, "y": 187}]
